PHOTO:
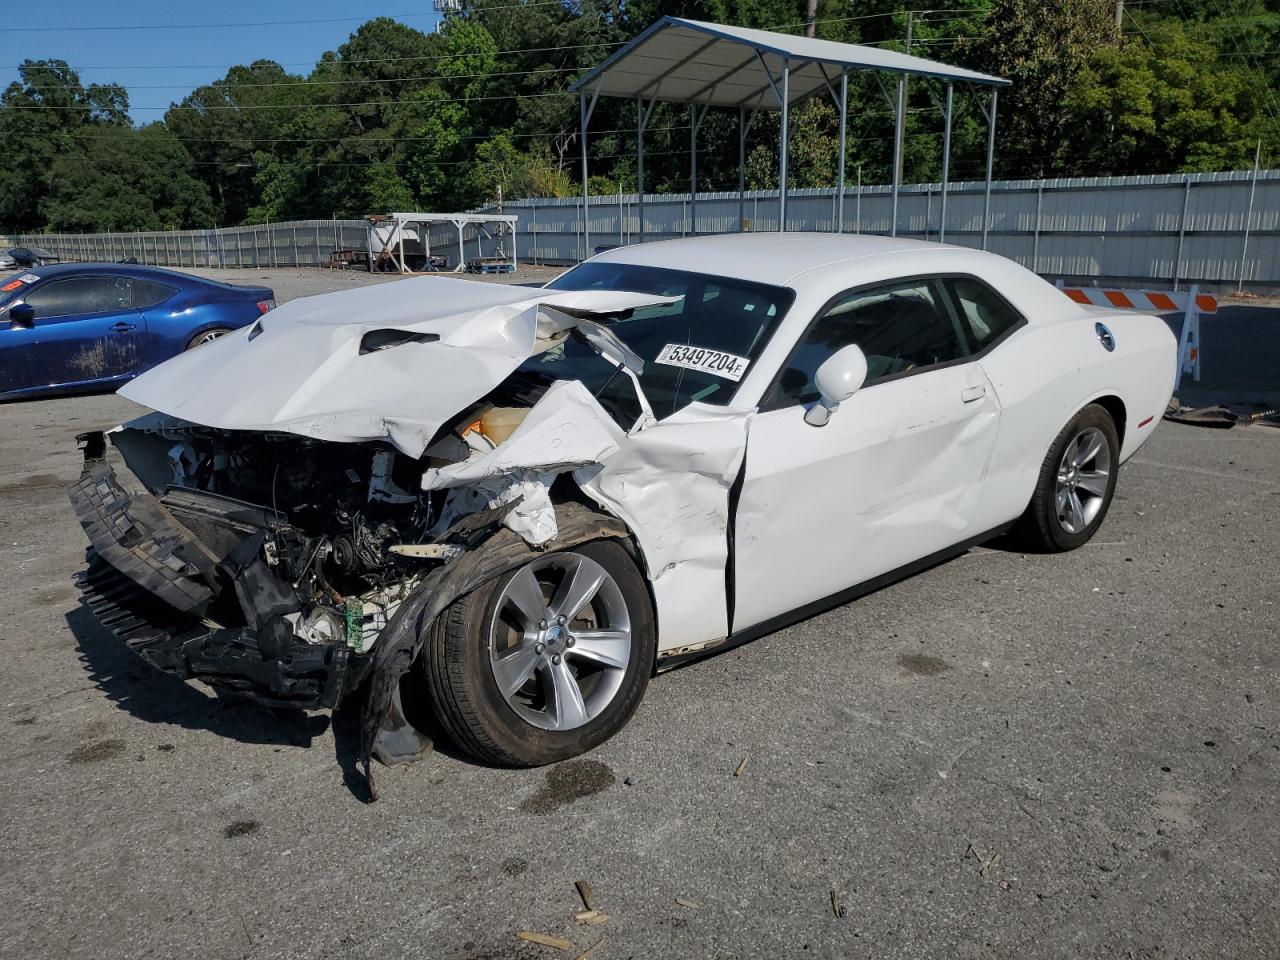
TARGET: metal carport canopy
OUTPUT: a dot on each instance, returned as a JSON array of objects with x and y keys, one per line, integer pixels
[
  {"x": 712, "y": 64},
  {"x": 688, "y": 61}
]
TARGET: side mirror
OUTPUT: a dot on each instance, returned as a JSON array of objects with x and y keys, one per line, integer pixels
[
  {"x": 839, "y": 378},
  {"x": 22, "y": 315}
]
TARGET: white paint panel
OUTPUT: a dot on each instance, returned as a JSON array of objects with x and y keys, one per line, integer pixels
[
  {"x": 670, "y": 485},
  {"x": 894, "y": 476},
  {"x": 1044, "y": 374},
  {"x": 299, "y": 368}
]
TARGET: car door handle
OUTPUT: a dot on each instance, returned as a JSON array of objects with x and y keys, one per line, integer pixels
[
  {"x": 121, "y": 327},
  {"x": 970, "y": 394}
]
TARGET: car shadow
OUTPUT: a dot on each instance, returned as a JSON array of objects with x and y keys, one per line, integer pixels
[{"x": 155, "y": 697}]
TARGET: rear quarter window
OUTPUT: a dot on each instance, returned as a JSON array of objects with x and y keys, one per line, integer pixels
[
  {"x": 985, "y": 314},
  {"x": 147, "y": 293}
]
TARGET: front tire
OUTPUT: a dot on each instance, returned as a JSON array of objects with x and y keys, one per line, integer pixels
[
  {"x": 1076, "y": 484},
  {"x": 547, "y": 661},
  {"x": 207, "y": 336}
]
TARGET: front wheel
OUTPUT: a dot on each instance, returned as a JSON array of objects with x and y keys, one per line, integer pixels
[
  {"x": 545, "y": 662},
  {"x": 1076, "y": 483}
]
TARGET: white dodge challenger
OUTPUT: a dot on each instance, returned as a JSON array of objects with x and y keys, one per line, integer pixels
[{"x": 519, "y": 504}]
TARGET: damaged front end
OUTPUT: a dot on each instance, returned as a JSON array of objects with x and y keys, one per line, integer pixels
[
  {"x": 263, "y": 566},
  {"x": 291, "y": 561}
]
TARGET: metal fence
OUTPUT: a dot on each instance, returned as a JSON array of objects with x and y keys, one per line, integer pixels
[
  {"x": 297, "y": 243},
  {"x": 1205, "y": 227},
  {"x": 1218, "y": 228}
]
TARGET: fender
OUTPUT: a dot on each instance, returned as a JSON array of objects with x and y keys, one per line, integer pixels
[{"x": 383, "y": 727}]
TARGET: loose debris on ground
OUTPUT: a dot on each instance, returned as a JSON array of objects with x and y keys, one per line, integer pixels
[
  {"x": 1221, "y": 416},
  {"x": 556, "y": 943},
  {"x": 838, "y": 909}
]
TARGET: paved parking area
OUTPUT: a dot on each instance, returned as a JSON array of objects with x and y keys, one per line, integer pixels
[{"x": 1006, "y": 756}]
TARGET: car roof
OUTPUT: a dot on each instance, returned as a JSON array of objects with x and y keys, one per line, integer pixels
[
  {"x": 134, "y": 270},
  {"x": 774, "y": 258}
]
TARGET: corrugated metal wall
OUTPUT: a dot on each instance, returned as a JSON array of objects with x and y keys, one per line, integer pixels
[
  {"x": 1155, "y": 228},
  {"x": 301, "y": 243}
]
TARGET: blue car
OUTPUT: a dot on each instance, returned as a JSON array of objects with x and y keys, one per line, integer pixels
[{"x": 91, "y": 326}]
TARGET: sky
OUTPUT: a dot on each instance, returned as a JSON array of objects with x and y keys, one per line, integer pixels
[{"x": 161, "y": 66}]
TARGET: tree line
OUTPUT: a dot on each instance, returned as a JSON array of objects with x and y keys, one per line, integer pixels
[{"x": 398, "y": 119}]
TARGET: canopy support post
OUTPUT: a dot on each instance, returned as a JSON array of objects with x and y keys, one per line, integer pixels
[
  {"x": 584, "y": 115},
  {"x": 695, "y": 121},
  {"x": 782, "y": 151},
  {"x": 991, "y": 152},
  {"x": 897, "y": 152},
  {"x": 844, "y": 113},
  {"x": 586, "y": 227},
  {"x": 693, "y": 170},
  {"x": 642, "y": 120},
  {"x": 742, "y": 167},
  {"x": 946, "y": 166}
]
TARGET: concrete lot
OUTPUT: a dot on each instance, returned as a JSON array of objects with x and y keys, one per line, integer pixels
[{"x": 1006, "y": 756}]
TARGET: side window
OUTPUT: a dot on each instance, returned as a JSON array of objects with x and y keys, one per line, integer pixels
[
  {"x": 147, "y": 293},
  {"x": 985, "y": 314},
  {"x": 61, "y": 298},
  {"x": 900, "y": 326}
]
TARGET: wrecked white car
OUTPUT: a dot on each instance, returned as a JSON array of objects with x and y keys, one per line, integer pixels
[{"x": 539, "y": 497}]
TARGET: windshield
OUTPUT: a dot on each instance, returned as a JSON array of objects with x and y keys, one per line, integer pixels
[{"x": 697, "y": 348}]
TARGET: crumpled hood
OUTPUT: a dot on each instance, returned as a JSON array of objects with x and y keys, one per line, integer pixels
[{"x": 300, "y": 368}]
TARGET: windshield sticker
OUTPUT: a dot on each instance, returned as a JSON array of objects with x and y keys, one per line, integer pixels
[
  {"x": 28, "y": 278},
  {"x": 715, "y": 362}
]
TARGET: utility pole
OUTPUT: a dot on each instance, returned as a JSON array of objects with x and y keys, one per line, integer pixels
[
  {"x": 1119, "y": 18},
  {"x": 811, "y": 18},
  {"x": 902, "y": 103}
]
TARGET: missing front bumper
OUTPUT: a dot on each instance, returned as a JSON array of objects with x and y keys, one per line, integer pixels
[{"x": 151, "y": 583}]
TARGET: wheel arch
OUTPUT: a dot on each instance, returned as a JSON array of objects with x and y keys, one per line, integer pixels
[
  {"x": 1114, "y": 406},
  {"x": 402, "y": 640}
]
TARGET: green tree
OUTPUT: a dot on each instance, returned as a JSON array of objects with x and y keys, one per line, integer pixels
[
  {"x": 223, "y": 126},
  {"x": 47, "y": 114},
  {"x": 130, "y": 180},
  {"x": 1165, "y": 102},
  {"x": 1041, "y": 48}
]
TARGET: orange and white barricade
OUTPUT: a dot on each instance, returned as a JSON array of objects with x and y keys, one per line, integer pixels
[{"x": 1191, "y": 303}]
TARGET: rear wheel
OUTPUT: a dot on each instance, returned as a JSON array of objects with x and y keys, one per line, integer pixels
[
  {"x": 207, "y": 336},
  {"x": 1076, "y": 483},
  {"x": 545, "y": 662}
]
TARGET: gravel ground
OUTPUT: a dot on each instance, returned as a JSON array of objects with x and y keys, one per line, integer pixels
[{"x": 1006, "y": 756}]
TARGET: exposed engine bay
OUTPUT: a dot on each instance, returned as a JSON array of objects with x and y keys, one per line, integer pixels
[
  {"x": 291, "y": 528},
  {"x": 346, "y": 529}
]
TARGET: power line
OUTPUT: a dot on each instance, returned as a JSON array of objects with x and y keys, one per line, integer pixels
[
  {"x": 314, "y": 63},
  {"x": 321, "y": 83},
  {"x": 303, "y": 106},
  {"x": 496, "y": 53},
  {"x": 361, "y": 139},
  {"x": 268, "y": 23}
]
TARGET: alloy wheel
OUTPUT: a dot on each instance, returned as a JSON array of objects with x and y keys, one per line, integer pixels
[
  {"x": 207, "y": 337},
  {"x": 1082, "y": 480},
  {"x": 560, "y": 641}
]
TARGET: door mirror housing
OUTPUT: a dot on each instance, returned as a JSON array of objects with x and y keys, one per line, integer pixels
[
  {"x": 841, "y": 376},
  {"x": 22, "y": 315}
]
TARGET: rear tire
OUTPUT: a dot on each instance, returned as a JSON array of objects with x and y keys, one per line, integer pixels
[
  {"x": 565, "y": 689},
  {"x": 1075, "y": 486},
  {"x": 207, "y": 336}
]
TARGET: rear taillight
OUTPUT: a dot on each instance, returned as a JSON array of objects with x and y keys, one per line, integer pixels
[{"x": 265, "y": 305}]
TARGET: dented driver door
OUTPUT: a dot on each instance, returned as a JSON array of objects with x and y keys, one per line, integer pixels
[{"x": 893, "y": 477}]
